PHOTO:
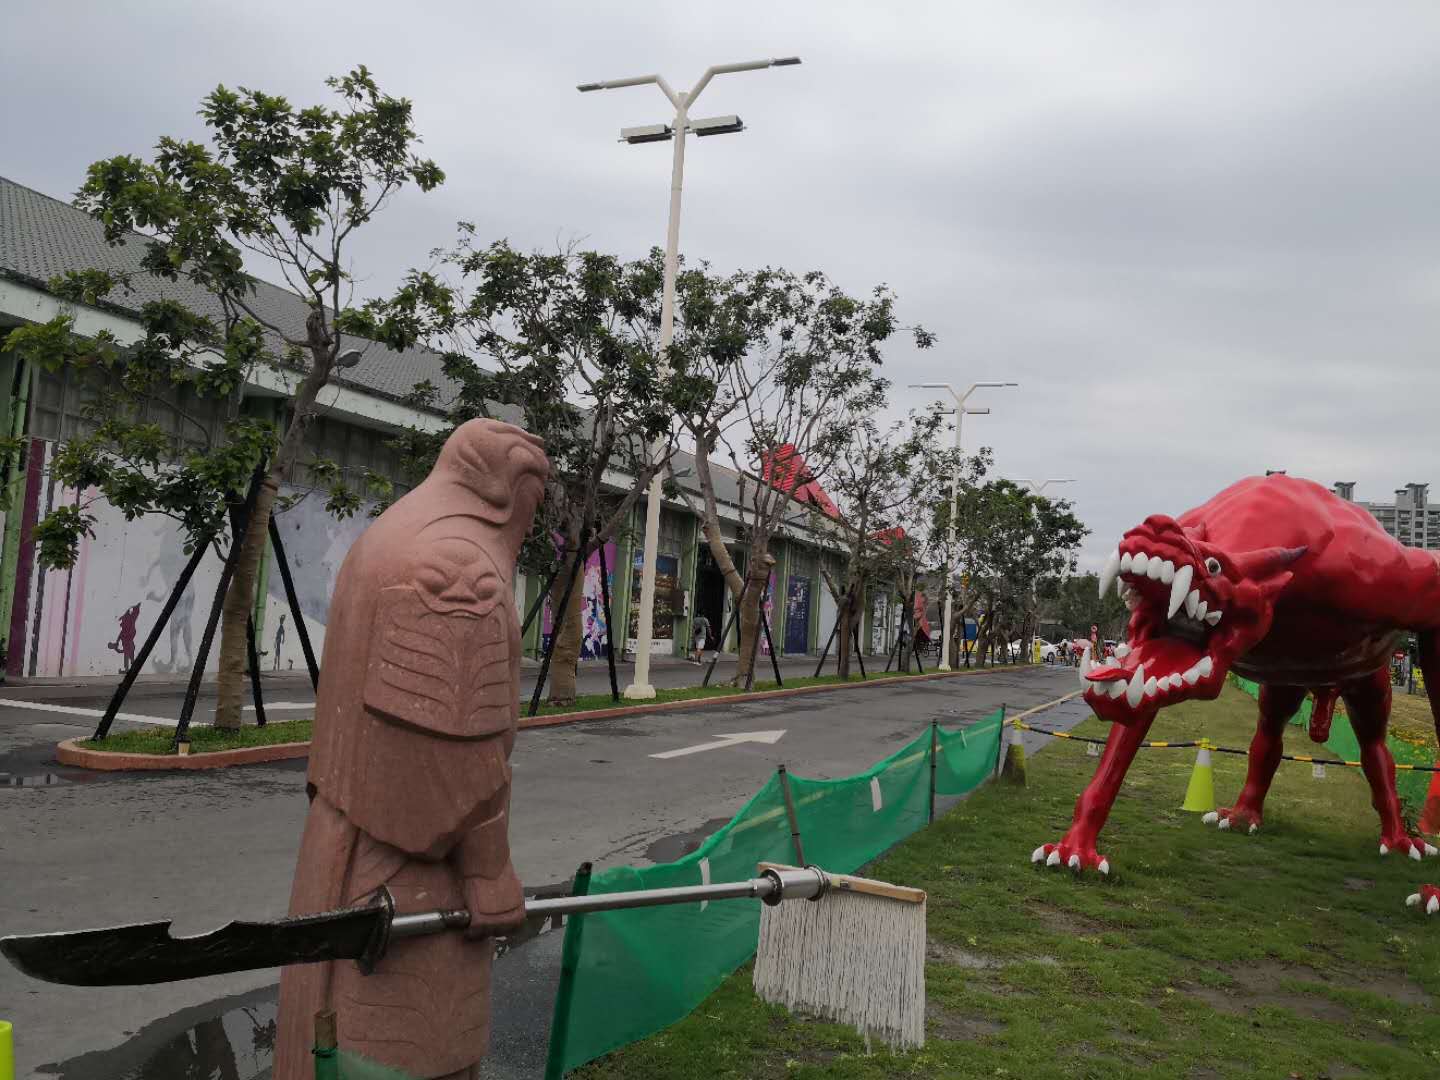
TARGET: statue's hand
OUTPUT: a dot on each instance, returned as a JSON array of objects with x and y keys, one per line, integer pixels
[{"x": 496, "y": 905}]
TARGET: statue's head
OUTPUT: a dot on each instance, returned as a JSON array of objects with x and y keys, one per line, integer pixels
[
  {"x": 504, "y": 467},
  {"x": 1195, "y": 608}
]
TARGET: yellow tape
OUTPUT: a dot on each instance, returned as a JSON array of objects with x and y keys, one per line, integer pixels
[{"x": 1302, "y": 757}]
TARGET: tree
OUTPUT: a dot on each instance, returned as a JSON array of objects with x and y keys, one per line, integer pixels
[
  {"x": 571, "y": 344},
  {"x": 287, "y": 189},
  {"x": 1009, "y": 539},
  {"x": 1077, "y": 605},
  {"x": 879, "y": 477},
  {"x": 776, "y": 364}
]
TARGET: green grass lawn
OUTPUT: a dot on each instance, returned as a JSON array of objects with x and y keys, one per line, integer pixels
[
  {"x": 1285, "y": 954},
  {"x": 203, "y": 739}
]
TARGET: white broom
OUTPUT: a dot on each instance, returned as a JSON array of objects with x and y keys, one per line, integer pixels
[{"x": 855, "y": 954}]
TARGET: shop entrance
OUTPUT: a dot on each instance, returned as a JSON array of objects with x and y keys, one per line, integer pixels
[{"x": 710, "y": 595}]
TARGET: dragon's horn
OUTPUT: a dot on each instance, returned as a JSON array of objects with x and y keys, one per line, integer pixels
[{"x": 1262, "y": 563}]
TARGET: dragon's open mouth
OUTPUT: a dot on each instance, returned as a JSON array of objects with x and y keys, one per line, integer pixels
[{"x": 1177, "y": 639}]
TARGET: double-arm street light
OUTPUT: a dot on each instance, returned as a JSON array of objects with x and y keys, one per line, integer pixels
[
  {"x": 960, "y": 411},
  {"x": 716, "y": 125}
]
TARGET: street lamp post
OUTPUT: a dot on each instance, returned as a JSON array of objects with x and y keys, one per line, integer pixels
[
  {"x": 640, "y": 687},
  {"x": 1038, "y": 487},
  {"x": 960, "y": 411}
]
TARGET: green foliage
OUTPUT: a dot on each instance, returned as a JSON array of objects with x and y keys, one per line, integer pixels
[
  {"x": 285, "y": 185},
  {"x": 1075, "y": 602}
]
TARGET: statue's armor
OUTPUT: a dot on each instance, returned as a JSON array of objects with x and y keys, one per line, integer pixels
[{"x": 409, "y": 769}]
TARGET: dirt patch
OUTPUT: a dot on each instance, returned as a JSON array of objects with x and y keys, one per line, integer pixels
[
  {"x": 1263, "y": 983},
  {"x": 941, "y": 952},
  {"x": 1358, "y": 884},
  {"x": 946, "y": 1024},
  {"x": 1065, "y": 922}
]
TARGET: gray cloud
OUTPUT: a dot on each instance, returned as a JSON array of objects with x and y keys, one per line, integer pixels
[{"x": 1202, "y": 236}]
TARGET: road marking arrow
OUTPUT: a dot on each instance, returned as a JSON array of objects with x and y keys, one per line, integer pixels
[{"x": 725, "y": 740}]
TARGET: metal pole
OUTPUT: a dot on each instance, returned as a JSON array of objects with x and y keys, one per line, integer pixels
[
  {"x": 934, "y": 747},
  {"x": 640, "y": 688},
  {"x": 784, "y": 777},
  {"x": 327, "y": 1049},
  {"x": 202, "y": 654},
  {"x": 118, "y": 698},
  {"x": 294, "y": 601},
  {"x": 559, "y": 622},
  {"x": 539, "y": 600},
  {"x": 1000, "y": 743},
  {"x": 729, "y": 626},
  {"x": 765, "y": 626},
  {"x": 565, "y": 992},
  {"x": 826, "y": 652},
  {"x": 254, "y": 663},
  {"x": 945, "y": 632},
  {"x": 609, "y": 625}
]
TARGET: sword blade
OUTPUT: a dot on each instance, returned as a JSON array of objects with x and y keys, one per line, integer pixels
[{"x": 143, "y": 953}]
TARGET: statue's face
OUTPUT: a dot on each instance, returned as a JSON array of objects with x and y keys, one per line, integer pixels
[{"x": 456, "y": 576}]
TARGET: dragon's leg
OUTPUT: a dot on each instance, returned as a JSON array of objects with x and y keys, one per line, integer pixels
[
  {"x": 1277, "y": 705},
  {"x": 1077, "y": 849},
  {"x": 1368, "y": 702}
]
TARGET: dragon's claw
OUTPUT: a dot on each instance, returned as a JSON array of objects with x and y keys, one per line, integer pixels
[
  {"x": 1428, "y": 897},
  {"x": 1228, "y": 817},
  {"x": 1073, "y": 856},
  {"x": 1416, "y": 848}
]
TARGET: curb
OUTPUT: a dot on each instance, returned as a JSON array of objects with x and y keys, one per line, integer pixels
[{"x": 68, "y": 753}]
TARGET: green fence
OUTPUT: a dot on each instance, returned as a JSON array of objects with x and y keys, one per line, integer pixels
[
  {"x": 638, "y": 971},
  {"x": 1411, "y": 786}
]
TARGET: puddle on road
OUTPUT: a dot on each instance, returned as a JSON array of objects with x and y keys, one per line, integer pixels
[{"x": 229, "y": 1039}]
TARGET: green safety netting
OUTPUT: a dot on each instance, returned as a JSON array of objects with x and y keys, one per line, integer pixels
[
  {"x": 1411, "y": 786},
  {"x": 344, "y": 1065},
  {"x": 635, "y": 972}
]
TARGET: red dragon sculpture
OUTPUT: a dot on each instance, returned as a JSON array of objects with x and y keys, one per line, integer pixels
[{"x": 1281, "y": 581}]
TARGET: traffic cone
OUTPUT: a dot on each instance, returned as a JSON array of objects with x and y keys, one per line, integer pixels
[
  {"x": 1200, "y": 795},
  {"x": 1430, "y": 818}
]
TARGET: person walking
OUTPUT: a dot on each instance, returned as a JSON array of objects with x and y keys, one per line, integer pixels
[{"x": 699, "y": 634}]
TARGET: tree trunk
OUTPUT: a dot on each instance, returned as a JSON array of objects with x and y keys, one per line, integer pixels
[
  {"x": 761, "y": 562},
  {"x": 239, "y": 601},
  {"x": 565, "y": 657},
  {"x": 842, "y": 657},
  {"x": 238, "y": 607}
]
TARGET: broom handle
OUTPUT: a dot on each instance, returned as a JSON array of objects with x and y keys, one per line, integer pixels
[{"x": 772, "y": 886}]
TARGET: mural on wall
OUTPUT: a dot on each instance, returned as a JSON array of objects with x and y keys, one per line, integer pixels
[
  {"x": 879, "y": 609},
  {"x": 797, "y": 615},
  {"x": 92, "y": 618},
  {"x": 667, "y": 580},
  {"x": 594, "y": 633}
]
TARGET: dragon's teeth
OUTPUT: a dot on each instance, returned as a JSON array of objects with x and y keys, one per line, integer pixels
[
  {"x": 1152, "y": 686},
  {"x": 1212, "y": 617},
  {"x": 1167, "y": 572},
  {"x": 1139, "y": 564},
  {"x": 1192, "y": 602},
  {"x": 1136, "y": 690},
  {"x": 1108, "y": 575},
  {"x": 1179, "y": 588},
  {"x": 1205, "y": 667},
  {"x": 1126, "y": 562},
  {"x": 1121, "y": 651},
  {"x": 1200, "y": 610},
  {"x": 1176, "y": 681},
  {"x": 1156, "y": 569},
  {"x": 1192, "y": 676}
]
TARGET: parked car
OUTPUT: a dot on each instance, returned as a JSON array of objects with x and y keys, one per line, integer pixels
[{"x": 1049, "y": 651}]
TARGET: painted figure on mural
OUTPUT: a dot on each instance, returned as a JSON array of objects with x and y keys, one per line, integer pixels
[
  {"x": 165, "y": 573},
  {"x": 279, "y": 640},
  {"x": 409, "y": 770},
  {"x": 125, "y": 642}
]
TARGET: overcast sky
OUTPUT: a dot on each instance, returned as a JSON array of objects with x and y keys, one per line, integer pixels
[{"x": 1203, "y": 236}]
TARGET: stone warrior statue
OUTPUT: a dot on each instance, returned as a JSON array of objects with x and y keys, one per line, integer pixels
[{"x": 409, "y": 776}]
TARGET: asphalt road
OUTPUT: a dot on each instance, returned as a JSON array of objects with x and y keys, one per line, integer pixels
[{"x": 80, "y": 849}]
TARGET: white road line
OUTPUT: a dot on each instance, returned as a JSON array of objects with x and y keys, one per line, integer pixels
[
  {"x": 75, "y": 710},
  {"x": 276, "y": 706},
  {"x": 770, "y": 737}
]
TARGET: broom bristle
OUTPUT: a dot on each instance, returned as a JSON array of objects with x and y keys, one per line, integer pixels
[{"x": 854, "y": 958}]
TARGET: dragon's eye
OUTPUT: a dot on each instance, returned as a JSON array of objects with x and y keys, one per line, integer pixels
[{"x": 1212, "y": 565}]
